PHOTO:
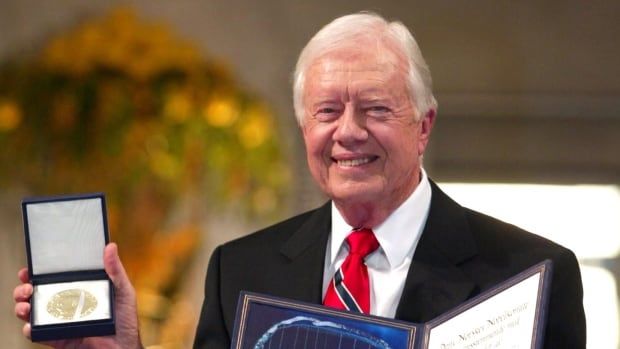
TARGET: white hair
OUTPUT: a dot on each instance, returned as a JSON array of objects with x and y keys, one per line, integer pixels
[{"x": 344, "y": 31}]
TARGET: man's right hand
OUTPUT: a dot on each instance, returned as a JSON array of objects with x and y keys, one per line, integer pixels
[{"x": 127, "y": 335}]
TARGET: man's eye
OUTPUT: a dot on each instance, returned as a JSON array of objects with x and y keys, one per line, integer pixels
[
  {"x": 378, "y": 110},
  {"x": 326, "y": 111},
  {"x": 327, "y": 114}
]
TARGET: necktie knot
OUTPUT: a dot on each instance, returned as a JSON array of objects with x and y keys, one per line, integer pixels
[{"x": 362, "y": 242}]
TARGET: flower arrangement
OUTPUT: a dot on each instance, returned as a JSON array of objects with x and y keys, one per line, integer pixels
[{"x": 122, "y": 105}]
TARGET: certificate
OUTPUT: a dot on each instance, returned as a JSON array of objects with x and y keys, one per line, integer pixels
[{"x": 510, "y": 315}]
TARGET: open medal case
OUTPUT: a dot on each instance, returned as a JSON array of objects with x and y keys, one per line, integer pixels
[{"x": 65, "y": 238}]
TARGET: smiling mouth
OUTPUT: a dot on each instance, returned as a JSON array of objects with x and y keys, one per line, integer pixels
[{"x": 355, "y": 162}]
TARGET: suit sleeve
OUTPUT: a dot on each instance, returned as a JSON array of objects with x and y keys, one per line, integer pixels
[
  {"x": 566, "y": 323},
  {"x": 211, "y": 332}
]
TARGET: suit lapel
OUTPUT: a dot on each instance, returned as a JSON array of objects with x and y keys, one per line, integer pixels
[
  {"x": 435, "y": 283},
  {"x": 305, "y": 253}
]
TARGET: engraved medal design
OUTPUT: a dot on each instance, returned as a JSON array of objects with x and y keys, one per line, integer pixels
[{"x": 71, "y": 304}]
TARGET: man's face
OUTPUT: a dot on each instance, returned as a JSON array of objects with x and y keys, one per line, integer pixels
[{"x": 363, "y": 142}]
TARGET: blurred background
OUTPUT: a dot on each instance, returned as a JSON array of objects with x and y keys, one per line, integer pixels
[{"x": 181, "y": 113}]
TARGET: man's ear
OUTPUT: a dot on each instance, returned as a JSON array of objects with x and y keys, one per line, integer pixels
[{"x": 424, "y": 133}]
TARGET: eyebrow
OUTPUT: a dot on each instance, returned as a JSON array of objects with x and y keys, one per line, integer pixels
[{"x": 375, "y": 95}]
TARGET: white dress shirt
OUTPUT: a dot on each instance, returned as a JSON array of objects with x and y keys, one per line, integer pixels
[{"x": 398, "y": 237}]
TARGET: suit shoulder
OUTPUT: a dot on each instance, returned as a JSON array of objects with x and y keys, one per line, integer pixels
[
  {"x": 505, "y": 250},
  {"x": 272, "y": 234},
  {"x": 498, "y": 237},
  {"x": 492, "y": 233}
]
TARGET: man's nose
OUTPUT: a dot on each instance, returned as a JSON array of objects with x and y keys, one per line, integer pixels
[{"x": 351, "y": 127}]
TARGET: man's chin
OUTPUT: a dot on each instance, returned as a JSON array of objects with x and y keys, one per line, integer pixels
[{"x": 355, "y": 194}]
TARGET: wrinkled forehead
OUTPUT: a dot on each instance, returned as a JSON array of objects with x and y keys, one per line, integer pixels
[
  {"x": 367, "y": 49},
  {"x": 359, "y": 56},
  {"x": 356, "y": 72}
]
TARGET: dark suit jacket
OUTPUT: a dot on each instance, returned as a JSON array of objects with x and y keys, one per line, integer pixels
[{"x": 460, "y": 254}]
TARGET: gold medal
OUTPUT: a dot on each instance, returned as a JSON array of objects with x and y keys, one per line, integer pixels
[{"x": 71, "y": 304}]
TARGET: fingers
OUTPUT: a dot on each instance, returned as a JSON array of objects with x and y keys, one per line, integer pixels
[
  {"x": 26, "y": 330},
  {"x": 22, "y": 311},
  {"x": 22, "y": 293},
  {"x": 22, "y": 274}
]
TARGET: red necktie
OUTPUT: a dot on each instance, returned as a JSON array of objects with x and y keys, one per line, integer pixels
[{"x": 350, "y": 289}]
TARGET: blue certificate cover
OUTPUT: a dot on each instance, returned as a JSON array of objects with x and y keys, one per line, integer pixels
[{"x": 511, "y": 315}]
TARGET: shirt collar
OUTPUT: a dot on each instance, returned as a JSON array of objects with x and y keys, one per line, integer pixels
[{"x": 409, "y": 217}]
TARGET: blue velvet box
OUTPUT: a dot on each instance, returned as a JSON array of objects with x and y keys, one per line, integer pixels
[{"x": 65, "y": 237}]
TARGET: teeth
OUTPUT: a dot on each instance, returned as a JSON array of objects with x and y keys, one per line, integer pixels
[{"x": 353, "y": 162}]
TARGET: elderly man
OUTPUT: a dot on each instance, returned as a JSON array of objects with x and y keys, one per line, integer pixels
[{"x": 363, "y": 99}]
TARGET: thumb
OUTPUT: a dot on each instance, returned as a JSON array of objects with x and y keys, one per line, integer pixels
[
  {"x": 114, "y": 268},
  {"x": 127, "y": 333}
]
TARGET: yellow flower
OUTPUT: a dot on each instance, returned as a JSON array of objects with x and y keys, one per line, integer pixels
[
  {"x": 221, "y": 112},
  {"x": 255, "y": 128},
  {"x": 178, "y": 107},
  {"x": 10, "y": 115},
  {"x": 92, "y": 42},
  {"x": 121, "y": 41},
  {"x": 57, "y": 54},
  {"x": 164, "y": 165}
]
